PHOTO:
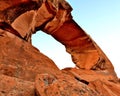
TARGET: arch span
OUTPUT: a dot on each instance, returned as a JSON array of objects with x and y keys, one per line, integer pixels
[{"x": 54, "y": 18}]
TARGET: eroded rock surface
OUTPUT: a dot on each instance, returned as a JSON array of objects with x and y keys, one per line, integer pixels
[
  {"x": 103, "y": 82},
  {"x": 11, "y": 86},
  {"x": 65, "y": 85},
  {"x": 25, "y": 71}
]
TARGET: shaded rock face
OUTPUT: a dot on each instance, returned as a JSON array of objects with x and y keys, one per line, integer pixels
[{"x": 25, "y": 71}]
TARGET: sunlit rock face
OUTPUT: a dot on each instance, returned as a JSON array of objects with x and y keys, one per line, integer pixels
[{"x": 25, "y": 71}]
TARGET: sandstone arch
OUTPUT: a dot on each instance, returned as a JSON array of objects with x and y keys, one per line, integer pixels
[
  {"x": 54, "y": 18},
  {"x": 24, "y": 17}
]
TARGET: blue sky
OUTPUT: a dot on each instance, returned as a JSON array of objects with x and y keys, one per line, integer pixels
[{"x": 100, "y": 19}]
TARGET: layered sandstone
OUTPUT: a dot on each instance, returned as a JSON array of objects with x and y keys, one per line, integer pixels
[{"x": 25, "y": 71}]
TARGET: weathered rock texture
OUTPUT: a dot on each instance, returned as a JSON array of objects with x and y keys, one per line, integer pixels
[{"x": 24, "y": 71}]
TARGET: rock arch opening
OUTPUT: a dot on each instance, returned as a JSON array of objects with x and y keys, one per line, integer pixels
[{"x": 53, "y": 49}]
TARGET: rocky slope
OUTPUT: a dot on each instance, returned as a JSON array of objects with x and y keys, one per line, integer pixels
[{"x": 25, "y": 71}]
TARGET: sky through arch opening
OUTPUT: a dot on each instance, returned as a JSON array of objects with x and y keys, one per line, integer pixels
[{"x": 53, "y": 49}]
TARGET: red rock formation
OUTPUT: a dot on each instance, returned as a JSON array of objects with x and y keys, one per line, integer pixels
[
  {"x": 65, "y": 85},
  {"x": 102, "y": 81},
  {"x": 11, "y": 86},
  {"x": 24, "y": 71}
]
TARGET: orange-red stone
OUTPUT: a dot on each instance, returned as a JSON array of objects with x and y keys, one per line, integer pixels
[{"x": 25, "y": 71}]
